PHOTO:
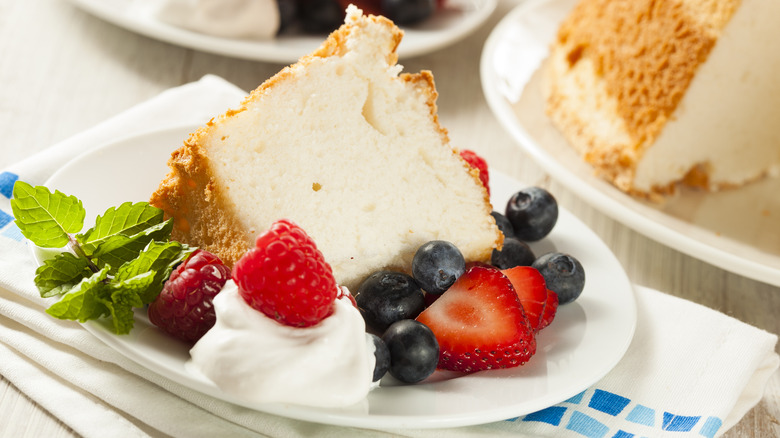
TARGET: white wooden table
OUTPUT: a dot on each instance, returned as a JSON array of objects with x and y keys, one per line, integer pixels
[{"x": 63, "y": 71}]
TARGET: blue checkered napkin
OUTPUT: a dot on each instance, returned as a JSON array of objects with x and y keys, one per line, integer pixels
[{"x": 676, "y": 379}]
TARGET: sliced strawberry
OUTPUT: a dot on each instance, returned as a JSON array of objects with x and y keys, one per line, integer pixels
[
  {"x": 550, "y": 308},
  {"x": 531, "y": 290},
  {"x": 479, "y": 323},
  {"x": 478, "y": 163}
]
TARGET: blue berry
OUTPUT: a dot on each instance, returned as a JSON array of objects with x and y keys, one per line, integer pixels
[
  {"x": 503, "y": 224},
  {"x": 381, "y": 356},
  {"x": 320, "y": 16},
  {"x": 404, "y": 12},
  {"x": 563, "y": 274},
  {"x": 414, "y": 351},
  {"x": 514, "y": 253},
  {"x": 436, "y": 265},
  {"x": 533, "y": 213},
  {"x": 386, "y": 297}
]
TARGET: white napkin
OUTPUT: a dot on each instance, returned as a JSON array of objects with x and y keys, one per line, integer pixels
[{"x": 689, "y": 370}]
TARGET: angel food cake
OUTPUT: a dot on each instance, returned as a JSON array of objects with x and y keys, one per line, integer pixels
[
  {"x": 656, "y": 93},
  {"x": 343, "y": 144}
]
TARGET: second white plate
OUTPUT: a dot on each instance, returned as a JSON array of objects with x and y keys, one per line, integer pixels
[
  {"x": 736, "y": 230},
  {"x": 585, "y": 341},
  {"x": 457, "y": 20}
]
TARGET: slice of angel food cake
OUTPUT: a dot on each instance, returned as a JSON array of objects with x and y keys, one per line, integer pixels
[{"x": 346, "y": 146}]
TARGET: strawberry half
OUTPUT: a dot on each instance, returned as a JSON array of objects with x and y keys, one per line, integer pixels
[
  {"x": 532, "y": 292},
  {"x": 479, "y": 163},
  {"x": 550, "y": 309},
  {"x": 479, "y": 323}
]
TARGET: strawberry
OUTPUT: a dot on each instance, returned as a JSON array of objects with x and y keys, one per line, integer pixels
[
  {"x": 479, "y": 323},
  {"x": 286, "y": 277},
  {"x": 478, "y": 163},
  {"x": 373, "y": 7},
  {"x": 531, "y": 290},
  {"x": 550, "y": 309}
]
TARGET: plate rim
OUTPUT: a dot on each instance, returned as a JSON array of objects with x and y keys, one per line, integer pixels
[
  {"x": 628, "y": 216},
  {"x": 267, "y": 50},
  {"x": 329, "y": 417}
]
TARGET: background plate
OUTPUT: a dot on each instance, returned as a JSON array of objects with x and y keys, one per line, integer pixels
[
  {"x": 585, "y": 341},
  {"x": 458, "y": 19},
  {"x": 736, "y": 230}
]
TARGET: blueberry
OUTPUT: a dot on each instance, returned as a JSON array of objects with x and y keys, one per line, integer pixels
[
  {"x": 563, "y": 274},
  {"x": 288, "y": 12},
  {"x": 503, "y": 224},
  {"x": 414, "y": 351},
  {"x": 320, "y": 16},
  {"x": 436, "y": 265},
  {"x": 533, "y": 213},
  {"x": 514, "y": 253},
  {"x": 386, "y": 297},
  {"x": 404, "y": 12},
  {"x": 381, "y": 356}
]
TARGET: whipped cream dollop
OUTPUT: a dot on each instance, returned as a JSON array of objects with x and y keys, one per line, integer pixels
[
  {"x": 251, "y": 356},
  {"x": 252, "y": 19}
]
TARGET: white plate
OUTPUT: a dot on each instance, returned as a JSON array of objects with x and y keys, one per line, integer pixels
[
  {"x": 585, "y": 341},
  {"x": 736, "y": 230},
  {"x": 458, "y": 19}
]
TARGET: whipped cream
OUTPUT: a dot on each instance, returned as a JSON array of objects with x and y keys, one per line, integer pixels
[
  {"x": 251, "y": 356},
  {"x": 253, "y": 19}
]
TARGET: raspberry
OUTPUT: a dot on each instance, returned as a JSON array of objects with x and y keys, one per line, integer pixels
[
  {"x": 183, "y": 309},
  {"x": 478, "y": 163},
  {"x": 286, "y": 277}
]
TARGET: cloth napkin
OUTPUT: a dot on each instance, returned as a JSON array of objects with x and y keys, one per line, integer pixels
[{"x": 690, "y": 371}]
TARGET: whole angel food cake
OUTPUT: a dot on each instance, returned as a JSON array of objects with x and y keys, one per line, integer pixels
[
  {"x": 656, "y": 93},
  {"x": 346, "y": 146}
]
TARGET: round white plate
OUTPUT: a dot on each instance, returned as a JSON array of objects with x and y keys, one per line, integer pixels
[
  {"x": 586, "y": 340},
  {"x": 736, "y": 230},
  {"x": 458, "y": 19}
]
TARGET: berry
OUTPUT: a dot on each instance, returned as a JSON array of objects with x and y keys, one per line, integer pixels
[
  {"x": 550, "y": 309},
  {"x": 478, "y": 163},
  {"x": 288, "y": 12},
  {"x": 405, "y": 12},
  {"x": 381, "y": 357},
  {"x": 514, "y": 253},
  {"x": 533, "y": 213},
  {"x": 531, "y": 291},
  {"x": 183, "y": 309},
  {"x": 564, "y": 275},
  {"x": 286, "y": 277},
  {"x": 414, "y": 351},
  {"x": 373, "y": 7},
  {"x": 503, "y": 224},
  {"x": 386, "y": 297},
  {"x": 479, "y": 323},
  {"x": 320, "y": 16},
  {"x": 436, "y": 265}
]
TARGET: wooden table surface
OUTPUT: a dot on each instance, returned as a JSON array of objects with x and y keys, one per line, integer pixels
[{"x": 63, "y": 71}]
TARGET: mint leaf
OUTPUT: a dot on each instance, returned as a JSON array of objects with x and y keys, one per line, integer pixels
[
  {"x": 119, "y": 249},
  {"x": 84, "y": 301},
  {"x": 128, "y": 219},
  {"x": 46, "y": 218},
  {"x": 58, "y": 275},
  {"x": 159, "y": 258},
  {"x": 125, "y": 295}
]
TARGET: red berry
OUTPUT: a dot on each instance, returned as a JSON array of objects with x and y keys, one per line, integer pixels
[
  {"x": 478, "y": 163},
  {"x": 286, "y": 277},
  {"x": 183, "y": 309},
  {"x": 531, "y": 290},
  {"x": 479, "y": 323},
  {"x": 550, "y": 309}
]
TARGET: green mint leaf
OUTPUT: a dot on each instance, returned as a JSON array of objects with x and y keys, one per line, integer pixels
[
  {"x": 84, "y": 301},
  {"x": 46, "y": 218},
  {"x": 60, "y": 274},
  {"x": 119, "y": 249},
  {"x": 125, "y": 294},
  {"x": 160, "y": 258},
  {"x": 128, "y": 219}
]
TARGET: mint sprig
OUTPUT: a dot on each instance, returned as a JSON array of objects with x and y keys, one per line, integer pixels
[{"x": 120, "y": 263}]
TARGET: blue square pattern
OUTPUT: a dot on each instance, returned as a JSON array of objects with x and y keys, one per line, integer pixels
[
  {"x": 608, "y": 402},
  {"x": 7, "y": 181},
  {"x": 642, "y": 415},
  {"x": 679, "y": 423},
  {"x": 586, "y": 425},
  {"x": 13, "y": 232},
  {"x": 5, "y": 218},
  {"x": 710, "y": 427}
]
